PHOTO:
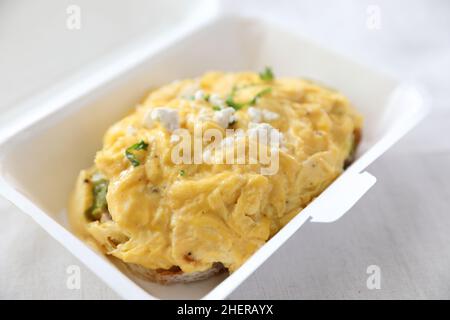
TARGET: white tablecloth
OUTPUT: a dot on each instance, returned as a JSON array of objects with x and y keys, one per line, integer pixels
[{"x": 402, "y": 225}]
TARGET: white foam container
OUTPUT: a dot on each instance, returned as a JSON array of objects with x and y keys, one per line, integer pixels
[{"x": 42, "y": 152}]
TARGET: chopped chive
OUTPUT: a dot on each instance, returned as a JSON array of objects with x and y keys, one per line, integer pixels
[
  {"x": 230, "y": 100},
  {"x": 235, "y": 105},
  {"x": 231, "y": 103},
  {"x": 141, "y": 145},
  {"x": 267, "y": 74},
  {"x": 259, "y": 95},
  {"x": 99, "y": 205}
]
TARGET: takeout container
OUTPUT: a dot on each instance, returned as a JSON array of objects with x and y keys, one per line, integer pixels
[{"x": 44, "y": 151}]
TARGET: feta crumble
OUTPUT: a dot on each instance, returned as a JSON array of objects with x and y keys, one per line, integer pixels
[
  {"x": 224, "y": 117},
  {"x": 166, "y": 116},
  {"x": 266, "y": 133},
  {"x": 199, "y": 95},
  {"x": 216, "y": 100},
  {"x": 259, "y": 115}
]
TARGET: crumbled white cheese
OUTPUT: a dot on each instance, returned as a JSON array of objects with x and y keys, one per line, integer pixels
[
  {"x": 97, "y": 177},
  {"x": 259, "y": 115},
  {"x": 199, "y": 95},
  {"x": 266, "y": 132},
  {"x": 166, "y": 116},
  {"x": 216, "y": 100},
  {"x": 224, "y": 117}
]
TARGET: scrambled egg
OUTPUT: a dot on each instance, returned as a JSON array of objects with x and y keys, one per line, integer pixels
[{"x": 140, "y": 207}]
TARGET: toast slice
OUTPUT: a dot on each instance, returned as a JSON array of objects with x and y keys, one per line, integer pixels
[{"x": 174, "y": 274}]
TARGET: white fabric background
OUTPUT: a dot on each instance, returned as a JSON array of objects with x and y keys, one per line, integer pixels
[{"x": 401, "y": 225}]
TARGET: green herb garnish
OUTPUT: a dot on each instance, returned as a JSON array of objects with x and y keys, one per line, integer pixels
[
  {"x": 230, "y": 100},
  {"x": 267, "y": 74},
  {"x": 235, "y": 105},
  {"x": 182, "y": 173},
  {"x": 141, "y": 145},
  {"x": 216, "y": 108},
  {"x": 231, "y": 103},
  {"x": 259, "y": 95},
  {"x": 99, "y": 205}
]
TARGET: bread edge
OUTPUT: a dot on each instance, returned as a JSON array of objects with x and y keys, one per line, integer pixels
[{"x": 173, "y": 275}]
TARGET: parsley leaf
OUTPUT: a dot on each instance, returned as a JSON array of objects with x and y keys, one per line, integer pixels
[
  {"x": 141, "y": 145},
  {"x": 182, "y": 173},
  {"x": 267, "y": 74},
  {"x": 99, "y": 205}
]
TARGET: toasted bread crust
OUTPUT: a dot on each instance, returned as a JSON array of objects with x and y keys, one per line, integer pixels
[{"x": 174, "y": 274}]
